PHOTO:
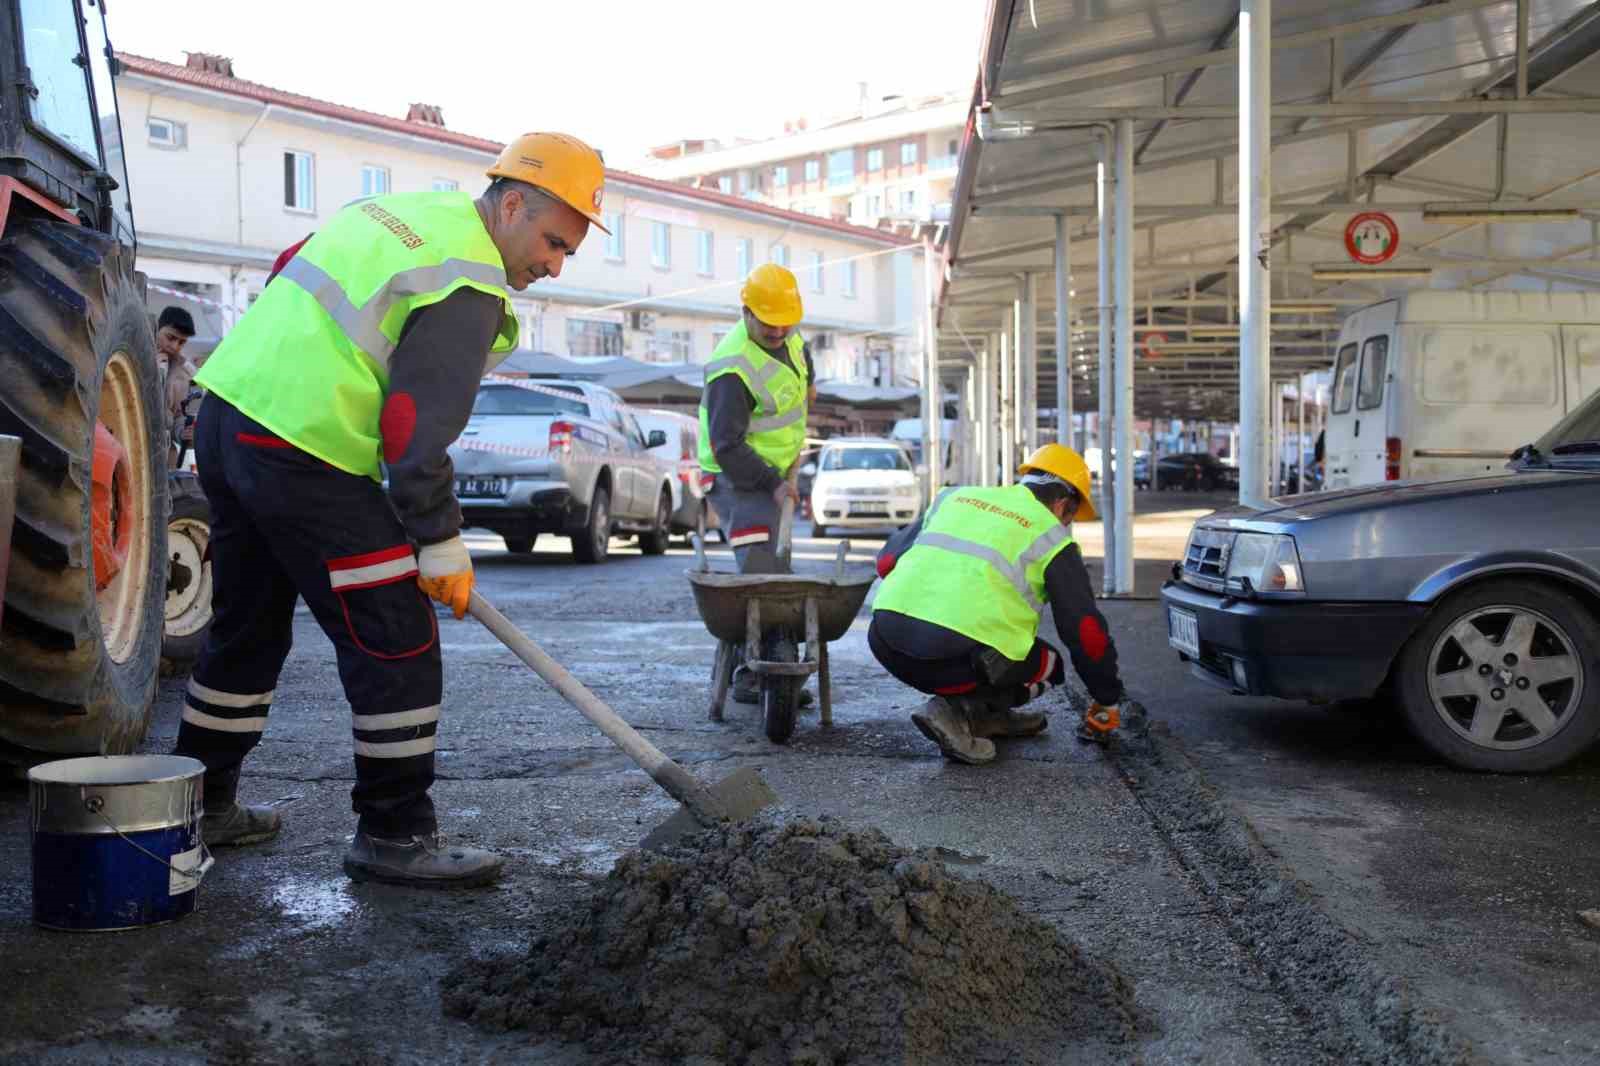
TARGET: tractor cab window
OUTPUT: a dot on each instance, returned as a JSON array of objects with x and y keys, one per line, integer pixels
[
  {"x": 105, "y": 101},
  {"x": 58, "y": 69}
]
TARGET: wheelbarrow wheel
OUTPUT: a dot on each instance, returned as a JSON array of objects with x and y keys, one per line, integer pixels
[{"x": 780, "y": 693}]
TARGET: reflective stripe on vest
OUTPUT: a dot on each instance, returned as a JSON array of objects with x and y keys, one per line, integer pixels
[
  {"x": 1006, "y": 535},
  {"x": 310, "y": 358},
  {"x": 777, "y": 431}
]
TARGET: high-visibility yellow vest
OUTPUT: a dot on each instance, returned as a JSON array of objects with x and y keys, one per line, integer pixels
[
  {"x": 310, "y": 359},
  {"x": 778, "y": 423},
  {"x": 978, "y": 565}
]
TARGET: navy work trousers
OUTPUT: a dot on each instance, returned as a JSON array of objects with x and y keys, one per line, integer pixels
[{"x": 285, "y": 524}]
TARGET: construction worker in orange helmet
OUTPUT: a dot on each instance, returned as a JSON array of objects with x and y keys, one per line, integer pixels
[
  {"x": 758, "y": 390},
  {"x": 958, "y": 614},
  {"x": 362, "y": 358}
]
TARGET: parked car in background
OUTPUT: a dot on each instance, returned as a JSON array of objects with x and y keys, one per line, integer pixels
[
  {"x": 680, "y": 452},
  {"x": 863, "y": 483},
  {"x": 1200, "y": 471},
  {"x": 562, "y": 457},
  {"x": 1474, "y": 602},
  {"x": 1141, "y": 470}
]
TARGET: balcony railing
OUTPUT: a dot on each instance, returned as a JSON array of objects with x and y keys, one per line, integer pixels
[{"x": 943, "y": 162}]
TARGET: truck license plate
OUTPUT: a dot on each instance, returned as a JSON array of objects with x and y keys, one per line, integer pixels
[
  {"x": 1183, "y": 632},
  {"x": 480, "y": 486},
  {"x": 869, "y": 510}
]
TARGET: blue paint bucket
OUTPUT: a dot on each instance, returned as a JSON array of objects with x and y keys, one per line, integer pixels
[{"x": 116, "y": 841}]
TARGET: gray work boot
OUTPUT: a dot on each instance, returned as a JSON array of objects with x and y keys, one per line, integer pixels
[
  {"x": 991, "y": 721},
  {"x": 236, "y": 825},
  {"x": 946, "y": 725},
  {"x": 421, "y": 861}
]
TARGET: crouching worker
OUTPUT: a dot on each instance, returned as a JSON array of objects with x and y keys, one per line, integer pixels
[{"x": 958, "y": 613}]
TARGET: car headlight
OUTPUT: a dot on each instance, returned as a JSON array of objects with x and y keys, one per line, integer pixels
[
  {"x": 1270, "y": 561},
  {"x": 905, "y": 490}
]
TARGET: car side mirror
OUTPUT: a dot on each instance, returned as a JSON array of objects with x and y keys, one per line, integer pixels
[
  {"x": 656, "y": 439},
  {"x": 922, "y": 469},
  {"x": 809, "y": 470}
]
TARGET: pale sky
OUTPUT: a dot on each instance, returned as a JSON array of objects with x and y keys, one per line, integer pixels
[{"x": 622, "y": 75}]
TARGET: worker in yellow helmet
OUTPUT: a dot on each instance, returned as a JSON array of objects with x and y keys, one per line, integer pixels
[
  {"x": 363, "y": 357},
  {"x": 958, "y": 613},
  {"x": 758, "y": 390}
]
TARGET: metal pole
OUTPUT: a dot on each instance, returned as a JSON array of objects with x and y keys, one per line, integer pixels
[
  {"x": 1028, "y": 391},
  {"x": 1278, "y": 395},
  {"x": 1104, "y": 421},
  {"x": 933, "y": 402},
  {"x": 1008, "y": 438},
  {"x": 985, "y": 392},
  {"x": 1063, "y": 334},
  {"x": 1300, "y": 433},
  {"x": 1124, "y": 354},
  {"x": 1255, "y": 221},
  {"x": 1019, "y": 368}
]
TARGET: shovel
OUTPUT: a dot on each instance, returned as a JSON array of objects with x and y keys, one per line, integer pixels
[{"x": 735, "y": 798}]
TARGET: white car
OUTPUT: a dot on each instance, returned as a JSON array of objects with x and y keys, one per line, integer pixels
[{"x": 863, "y": 483}]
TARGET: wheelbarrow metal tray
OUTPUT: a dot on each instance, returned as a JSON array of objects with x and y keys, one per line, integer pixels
[{"x": 722, "y": 599}]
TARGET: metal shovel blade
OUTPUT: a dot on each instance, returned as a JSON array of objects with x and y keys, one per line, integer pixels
[{"x": 738, "y": 797}]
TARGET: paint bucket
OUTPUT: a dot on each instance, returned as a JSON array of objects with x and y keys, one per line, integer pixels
[{"x": 116, "y": 841}]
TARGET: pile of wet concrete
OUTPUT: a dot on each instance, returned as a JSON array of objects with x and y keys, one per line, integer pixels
[{"x": 802, "y": 943}]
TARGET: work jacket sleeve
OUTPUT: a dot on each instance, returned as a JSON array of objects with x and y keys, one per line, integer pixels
[
  {"x": 728, "y": 407},
  {"x": 1082, "y": 627},
  {"x": 896, "y": 546},
  {"x": 433, "y": 380}
]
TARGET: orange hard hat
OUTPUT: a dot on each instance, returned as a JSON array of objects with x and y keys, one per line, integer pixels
[
  {"x": 562, "y": 166},
  {"x": 773, "y": 295}
]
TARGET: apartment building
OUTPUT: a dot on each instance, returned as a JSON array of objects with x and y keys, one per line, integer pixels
[
  {"x": 891, "y": 163},
  {"x": 225, "y": 173}
]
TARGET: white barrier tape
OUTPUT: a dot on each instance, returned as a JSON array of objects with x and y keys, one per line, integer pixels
[{"x": 193, "y": 298}]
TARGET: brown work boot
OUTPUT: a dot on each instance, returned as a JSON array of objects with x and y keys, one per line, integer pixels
[
  {"x": 236, "y": 825},
  {"x": 989, "y": 720},
  {"x": 422, "y": 860},
  {"x": 947, "y": 726}
]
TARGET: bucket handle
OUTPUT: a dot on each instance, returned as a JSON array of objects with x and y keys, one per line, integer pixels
[{"x": 96, "y": 805}]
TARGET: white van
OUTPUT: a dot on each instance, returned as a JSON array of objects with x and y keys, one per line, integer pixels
[{"x": 1439, "y": 384}]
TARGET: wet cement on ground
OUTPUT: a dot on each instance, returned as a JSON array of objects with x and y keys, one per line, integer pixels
[{"x": 802, "y": 943}]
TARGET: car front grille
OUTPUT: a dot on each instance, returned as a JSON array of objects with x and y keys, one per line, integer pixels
[
  {"x": 862, "y": 490},
  {"x": 1206, "y": 560}
]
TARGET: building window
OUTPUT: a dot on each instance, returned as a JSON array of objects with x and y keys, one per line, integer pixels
[
  {"x": 780, "y": 255},
  {"x": 613, "y": 220},
  {"x": 741, "y": 256},
  {"x": 908, "y": 201},
  {"x": 780, "y": 177},
  {"x": 374, "y": 181},
  {"x": 585, "y": 337},
  {"x": 660, "y": 245},
  {"x": 704, "y": 253},
  {"x": 744, "y": 183},
  {"x": 848, "y": 285},
  {"x": 908, "y": 154},
  {"x": 874, "y": 160},
  {"x": 841, "y": 167},
  {"x": 874, "y": 208},
  {"x": 299, "y": 181},
  {"x": 813, "y": 169},
  {"x": 725, "y": 183},
  {"x": 446, "y": 185},
  {"x": 670, "y": 346},
  {"x": 165, "y": 133},
  {"x": 816, "y": 272}
]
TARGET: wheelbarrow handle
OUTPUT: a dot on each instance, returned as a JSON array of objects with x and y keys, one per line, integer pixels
[{"x": 786, "y": 531}]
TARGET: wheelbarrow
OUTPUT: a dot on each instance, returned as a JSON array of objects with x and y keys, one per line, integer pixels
[{"x": 769, "y": 615}]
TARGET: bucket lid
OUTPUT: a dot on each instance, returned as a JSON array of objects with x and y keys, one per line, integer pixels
[{"x": 116, "y": 770}]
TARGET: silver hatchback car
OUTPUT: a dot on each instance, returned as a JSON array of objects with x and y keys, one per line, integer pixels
[{"x": 1474, "y": 602}]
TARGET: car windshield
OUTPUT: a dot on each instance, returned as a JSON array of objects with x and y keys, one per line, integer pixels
[
  {"x": 515, "y": 400},
  {"x": 865, "y": 459},
  {"x": 1575, "y": 437}
]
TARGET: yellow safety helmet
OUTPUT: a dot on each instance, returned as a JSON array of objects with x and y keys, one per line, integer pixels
[
  {"x": 1066, "y": 464},
  {"x": 562, "y": 166},
  {"x": 773, "y": 295}
]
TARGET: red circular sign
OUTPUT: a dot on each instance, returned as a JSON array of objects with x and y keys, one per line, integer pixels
[
  {"x": 1372, "y": 238},
  {"x": 1150, "y": 342}
]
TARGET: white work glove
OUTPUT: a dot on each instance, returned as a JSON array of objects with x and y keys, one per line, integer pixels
[{"x": 445, "y": 573}]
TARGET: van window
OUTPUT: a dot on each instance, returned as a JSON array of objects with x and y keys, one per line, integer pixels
[
  {"x": 1475, "y": 366},
  {"x": 1344, "y": 379},
  {"x": 1374, "y": 370}
]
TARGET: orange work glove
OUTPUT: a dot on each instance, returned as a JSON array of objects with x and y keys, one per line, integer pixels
[
  {"x": 445, "y": 573},
  {"x": 1102, "y": 719}
]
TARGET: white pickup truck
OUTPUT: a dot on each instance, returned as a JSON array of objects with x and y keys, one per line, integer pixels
[{"x": 562, "y": 457}]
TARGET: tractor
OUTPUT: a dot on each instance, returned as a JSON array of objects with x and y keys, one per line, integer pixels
[{"x": 86, "y": 586}]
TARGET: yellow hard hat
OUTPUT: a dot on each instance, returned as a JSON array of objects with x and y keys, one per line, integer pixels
[
  {"x": 562, "y": 166},
  {"x": 772, "y": 295},
  {"x": 1066, "y": 464}
]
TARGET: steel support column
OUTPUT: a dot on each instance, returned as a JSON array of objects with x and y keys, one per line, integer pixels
[
  {"x": 1028, "y": 385},
  {"x": 1105, "y": 419},
  {"x": 1255, "y": 242},
  {"x": 933, "y": 391},
  {"x": 1008, "y": 421},
  {"x": 1300, "y": 433},
  {"x": 1123, "y": 370},
  {"x": 1063, "y": 333}
]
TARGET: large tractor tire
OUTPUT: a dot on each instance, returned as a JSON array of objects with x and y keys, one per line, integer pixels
[
  {"x": 188, "y": 606},
  {"x": 81, "y": 639}
]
